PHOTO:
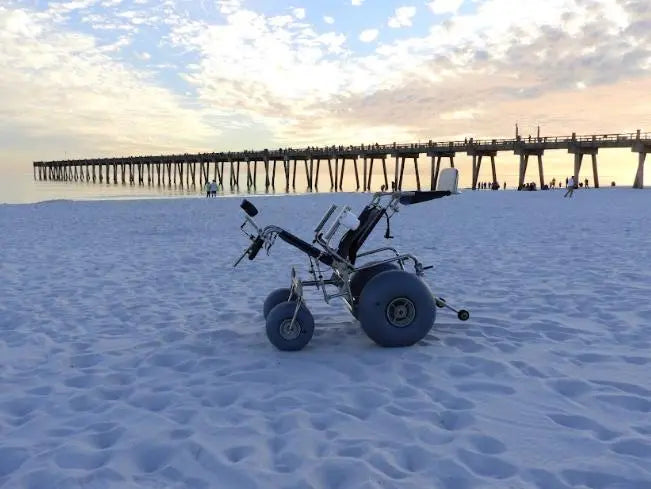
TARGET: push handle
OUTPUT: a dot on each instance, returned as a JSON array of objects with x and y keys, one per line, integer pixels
[{"x": 325, "y": 218}]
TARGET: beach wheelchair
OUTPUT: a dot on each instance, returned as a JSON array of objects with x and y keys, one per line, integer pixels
[{"x": 394, "y": 307}]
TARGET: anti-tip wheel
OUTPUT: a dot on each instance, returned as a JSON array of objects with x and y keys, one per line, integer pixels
[
  {"x": 440, "y": 302},
  {"x": 463, "y": 315}
]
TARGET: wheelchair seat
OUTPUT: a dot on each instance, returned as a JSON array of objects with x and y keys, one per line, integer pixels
[{"x": 353, "y": 239}]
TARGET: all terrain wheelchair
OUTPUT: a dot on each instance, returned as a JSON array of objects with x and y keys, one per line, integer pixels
[{"x": 394, "y": 307}]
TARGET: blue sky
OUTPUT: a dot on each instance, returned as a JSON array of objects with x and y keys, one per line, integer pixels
[{"x": 114, "y": 77}]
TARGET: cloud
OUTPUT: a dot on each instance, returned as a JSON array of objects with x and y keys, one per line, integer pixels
[
  {"x": 445, "y": 6},
  {"x": 368, "y": 35},
  {"x": 277, "y": 79},
  {"x": 402, "y": 17},
  {"x": 299, "y": 13},
  {"x": 229, "y": 6},
  {"x": 328, "y": 20},
  {"x": 357, "y": 3},
  {"x": 59, "y": 86}
]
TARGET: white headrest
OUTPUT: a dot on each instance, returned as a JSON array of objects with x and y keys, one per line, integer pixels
[{"x": 448, "y": 180}]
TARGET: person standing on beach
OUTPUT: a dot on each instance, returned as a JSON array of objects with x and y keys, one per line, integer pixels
[
  {"x": 213, "y": 188},
  {"x": 570, "y": 187},
  {"x": 207, "y": 188}
]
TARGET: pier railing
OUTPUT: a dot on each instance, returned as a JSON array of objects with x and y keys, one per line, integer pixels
[{"x": 184, "y": 165}]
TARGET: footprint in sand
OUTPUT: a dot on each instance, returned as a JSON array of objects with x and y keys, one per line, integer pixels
[
  {"x": 487, "y": 387},
  {"x": 643, "y": 430},
  {"x": 84, "y": 403},
  {"x": 577, "y": 422},
  {"x": 380, "y": 462},
  {"x": 235, "y": 454},
  {"x": 543, "y": 479},
  {"x": 181, "y": 415},
  {"x": 277, "y": 444},
  {"x": 353, "y": 451},
  {"x": 74, "y": 458},
  {"x": 321, "y": 422},
  {"x": 11, "y": 459},
  {"x": 433, "y": 437},
  {"x": 601, "y": 480},
  {"x": 569, "y": 387},
  {"x": 464, "y": 344},
  {"x": 169, "y": 358},
  {"x": 486, "y": 465},
  {"x": 455, "y": 420},
  {"x": 340, "y": 474},
  {"x": 40, "y": 391},
  {"x": 150, "y": 456},
  {"x": 624, "y": 387},
  {"x": 152, "y": 402},
  {"x": 630, "y": 403},
  {"x": 414, "y": 458},
  {"x": 450, "y": 401},
  {"x": 477, "y": 365},
  {"x": 180, "y": 434},
  {"x": 81, "y": 381},
  {"x": 636, "y": 360},
  {"x": 287, "y": 462},
  {"x": 527, "y": 369},
  {"x": 106, "y": 438},
  {"x": 38, "y": 479},
  {"x": 590, "y": 358},
  {"x": 85, "y": 360},
  {"x": 359, "y": 413},
  {"x": 487, "y": 444},
  {"x": 20, "y": 407},
  {"x": 636, "y": 447},
  {"x": 284, "y": 424},
  {"x": 404, "y": 392}
]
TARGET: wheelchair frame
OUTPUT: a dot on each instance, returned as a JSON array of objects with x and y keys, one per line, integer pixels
[{"x": 343, "y": 267}]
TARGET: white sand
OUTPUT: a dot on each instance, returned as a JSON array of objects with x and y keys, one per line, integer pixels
[{"x": 133, "y": 355}]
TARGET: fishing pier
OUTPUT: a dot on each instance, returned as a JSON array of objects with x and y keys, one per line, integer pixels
[{"x": 226, "y": 168}]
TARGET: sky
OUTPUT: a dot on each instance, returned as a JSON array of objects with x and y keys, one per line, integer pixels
[{"x": 93, "y": 78}]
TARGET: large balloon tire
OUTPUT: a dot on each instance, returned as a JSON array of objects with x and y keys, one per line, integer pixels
[
  {"x": 396, "y": 309},
  {"x": 274, "y": 298},
  {"x": 285, "y": 336},
  {"x": 360, "y": 278}
]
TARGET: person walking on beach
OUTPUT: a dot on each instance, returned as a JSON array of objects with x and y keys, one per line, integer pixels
[
  {"x": 570, "y": 187},
  {"x": 213, "y": 188}
]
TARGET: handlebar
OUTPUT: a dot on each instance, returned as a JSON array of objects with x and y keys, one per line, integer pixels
[{"x": 255, "y": 247}]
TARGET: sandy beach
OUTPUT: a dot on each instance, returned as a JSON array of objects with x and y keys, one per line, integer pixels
[{"x": 132, "y": 354}]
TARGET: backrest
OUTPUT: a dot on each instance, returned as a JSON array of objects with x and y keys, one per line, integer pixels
[
  {"x": 353, "y": 240},
  {"x": 448, "y": 180}
]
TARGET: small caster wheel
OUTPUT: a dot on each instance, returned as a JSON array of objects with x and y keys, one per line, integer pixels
[
  {"x": 274, "y": 298},
  {"x": 440, "y": 302},
  {"x": 463, "y": 315},
  {"x": 285, "y": 335}
]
